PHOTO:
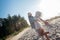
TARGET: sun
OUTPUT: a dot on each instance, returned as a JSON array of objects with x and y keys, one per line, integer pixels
[{"x": 49, "y": 8}]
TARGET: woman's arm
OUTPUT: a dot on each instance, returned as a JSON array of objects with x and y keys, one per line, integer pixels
[
  {"x": 46, "y": 23},
  {"x": 41, "y": 20}
]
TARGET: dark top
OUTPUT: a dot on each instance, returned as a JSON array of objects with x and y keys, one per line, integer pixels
[{"x": 31, "y": 20}]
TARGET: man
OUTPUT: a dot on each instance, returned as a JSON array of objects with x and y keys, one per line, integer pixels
[{"x": 31, "y": 20}]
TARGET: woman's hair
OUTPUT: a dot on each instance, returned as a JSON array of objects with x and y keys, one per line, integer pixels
[{"x": 38, "y": 14}]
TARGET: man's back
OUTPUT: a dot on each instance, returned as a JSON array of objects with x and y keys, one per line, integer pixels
[{"x": 31, "y": 20}]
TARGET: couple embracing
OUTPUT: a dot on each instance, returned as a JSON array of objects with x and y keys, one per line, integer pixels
[{"x": 35, "y": 24}]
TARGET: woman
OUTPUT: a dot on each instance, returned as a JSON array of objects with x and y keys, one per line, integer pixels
[{"x": 38, "y": 27}]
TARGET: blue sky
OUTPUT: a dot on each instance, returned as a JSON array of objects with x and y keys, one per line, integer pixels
[
  {"x": 15, "y": 7},
  {"x": 49, "y": 8}
]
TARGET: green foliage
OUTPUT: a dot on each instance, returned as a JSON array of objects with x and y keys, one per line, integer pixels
[{"x": 11, "y": 24}]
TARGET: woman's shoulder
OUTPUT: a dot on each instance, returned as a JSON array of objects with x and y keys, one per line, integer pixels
[{"x": 36, "y": 18}]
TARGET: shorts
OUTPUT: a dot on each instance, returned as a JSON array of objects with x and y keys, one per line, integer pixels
[{"x": 40, "y": 31}]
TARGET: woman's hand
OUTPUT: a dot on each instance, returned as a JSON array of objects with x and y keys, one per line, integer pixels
[{"x": 46, "y": 23}]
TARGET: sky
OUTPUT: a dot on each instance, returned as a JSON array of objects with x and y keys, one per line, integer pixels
[{"x": 49, "y": 8}]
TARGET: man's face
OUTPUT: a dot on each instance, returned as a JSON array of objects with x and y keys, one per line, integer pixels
[{"x": 29, "y": 14}]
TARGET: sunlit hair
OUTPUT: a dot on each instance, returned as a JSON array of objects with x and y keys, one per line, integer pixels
[
  {"x": 29, "y": 14},
  {"x": 38, "y": 14}
]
